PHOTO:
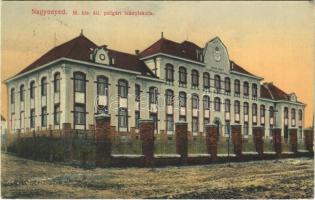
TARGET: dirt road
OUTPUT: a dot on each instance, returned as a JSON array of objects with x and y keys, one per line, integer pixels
[{"x": 288, "y": 178}]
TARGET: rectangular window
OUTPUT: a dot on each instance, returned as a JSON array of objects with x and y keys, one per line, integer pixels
[
  {"x": 182, "y": 118},
  {"x": 79, "y": 114},
  {"x": 32, "y": 91},
  {"x": 246, "y": 128},
  {"x": 153, "y": 117},
  {"x": 123, "y": 118},
  {"x": 44, "y": 116},
  {"x": 137, "y": 118},
  {"x": 195, "y": 124},
  {"x": 170, "y": 123},
  {"x": 57, "y": 114},
  {"x": 32, "y": 118},
  {"x": 44, "y": 89}
]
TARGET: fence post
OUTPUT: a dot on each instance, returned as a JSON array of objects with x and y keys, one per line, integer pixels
[
  {"x": 237, "y": 139},
  {"x": 211, "y": 141},
  {"x": 258, "y": 139},
  {"x": 293, "y": 139},
  {"x": 103, "y": 140},
  {"x": 181, "y": 131},
  {"x": 147, "y": 138},
  {"x": 276, "y": 138},
  {"x": 67, "y": 138},
  {"x": 308, "y": 139}
]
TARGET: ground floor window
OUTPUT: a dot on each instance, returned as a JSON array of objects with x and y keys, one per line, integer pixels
[
  {"x": 169, "y": 123},
  {"x": 227, "y": 128},
  {"x": 44, "y": 116},
  {"x": 182, "y": 118},
  {"x": 137, "y": 118},
  {"x": 79, "y": 114},
  {"x": 246, "y": 128},
  {"x": 123, "y": 118},
  {"x": 286, "y": 133},
  {"x": 57, "y": 114},
  {"x": 32, "y": 118},
  {"x": 194, "y": 124},
  {"x": 153, "y": 116}
]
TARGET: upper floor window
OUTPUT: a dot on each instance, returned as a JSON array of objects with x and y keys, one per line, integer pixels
[
  {"x": 217, "y": 104},
  {"x": 153, "y": 95},
  {"x": 300, "y": 114},
  {"x": 237, "y": 87},
  {"x": 262, "y": 110},
  {"x": 227, "y": 84},
  {"x": 206, "y": 102},
  {"x": 246, "y": 108},
  {"x": 217, "y": 82},
  {"x": 22, "y": 93},
  {"x": 122, "y": 88},
  {"x": 271, "y": 112},
  {"x": 206, "y": 80},
  {"x": 79, "y": 82},
  {"x": 169, "y": 73},
  {"x": 182, "y": 76},
  {"x": 237, "y": 107},
  {"x": 169, "y": 97},
  {"x": 194, "y": 78},
  {"x": 44, "y": 86},
  {"x": 292, "y": 113},
  {"x": 137, "y": 92},
  {"x": 227, "y": 105},
  {"x": 102, "y": 85},
  {"x": 32, "y": 89},
  {"x": 195, "y": 101},
  {"x": 57, "y": 82},
  {"x": 246, "y": 88},
  {"x": 182, "y": 99},
  {"x": 254, "y": 109},
  {"x": 286, "y": 113},
  {"x": 12, "y": 96},
  {"x": 254, "y": 90}
]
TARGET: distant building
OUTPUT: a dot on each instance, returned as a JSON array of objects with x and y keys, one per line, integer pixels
[{"x": 167, "y": 82}]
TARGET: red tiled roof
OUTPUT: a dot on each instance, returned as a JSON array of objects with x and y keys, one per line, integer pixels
[
  {"x": 237, "y": 68},
  {"x": 185, "y": 49},
  {"x": 264, "y": 92},
  {"x": 277, "y": 93},
  {"x": 80, "y": 47}
]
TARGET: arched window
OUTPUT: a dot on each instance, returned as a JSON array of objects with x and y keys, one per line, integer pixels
[
  {"x": 169, "y": 97},
  {"x": 246, "y": 108},
  {"x": 195, "y": 101},
  {"x": 206, "y": 80},
  {"x": 182, "y": 76},
  {"x": 227, "y": 105},
  {"x": 79, "y": 82},
  {"x": 32, "y": 89},
  {"x": 44, "y": 86},
  {"x": 292, "y": 113},
  {"x": 22, "y": 93},
  {"x": 237, "y": 107},
  {"x": 194, "y": 78},
  {"x": 227, "y": 85},
  {"x": 12, "y": 96},
  {"x": 122, "y": 88},
  {"x": 254, "y": 109},
  {"x": 182, "y": 99},
  {"x": 254, "y": 90},
  {"x": 262, "y": 110},
  {"x": 102, "y": 85},
  {"x": 237, "y": 87},
  {"x": 153, "y": 95},
  {"x": 271, "y": 112},
  {"x": 286, "y": 113},
  {"x": 57, "y": 82},
  {"x": 206, "y": 102},
  {"x": 137, "y": 92},
  {"x": 217, "y": 82},
  {"x": 246, "y": 88},
  {"x": 217, "y": 104},
  {"x": 169, "y": 73}
]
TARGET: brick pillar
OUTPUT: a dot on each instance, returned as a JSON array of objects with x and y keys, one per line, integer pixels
[
  {"x": 181, "y": 131},
  {"x": 293, "y": 139},
  {"x": 147, "y": 137},
  {"x": 258, "y": 139},
  {"x": 211, "y": 141},
  {"x": 67, "y": 137},
  {"x": 237, "y": 139},
  {"x": 276, "y": 138},
  {"x": 103, "y": 140},
  {"x": 308, "y": 139}
]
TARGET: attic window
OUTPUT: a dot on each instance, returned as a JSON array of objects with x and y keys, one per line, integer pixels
[{"x": 216, "y": 48}]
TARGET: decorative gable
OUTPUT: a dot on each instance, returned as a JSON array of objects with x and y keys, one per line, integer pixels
[
  {"x": 100, "y": 55},
  {"x": 293, "y": 97}
]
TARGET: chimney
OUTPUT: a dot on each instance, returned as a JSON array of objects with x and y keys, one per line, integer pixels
[
  {"x": 137, "y": 51},
  {"x": 162, "y": 35}
]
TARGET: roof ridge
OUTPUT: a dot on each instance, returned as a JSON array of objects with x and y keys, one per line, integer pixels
[{"x": 269, "y": 91}]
